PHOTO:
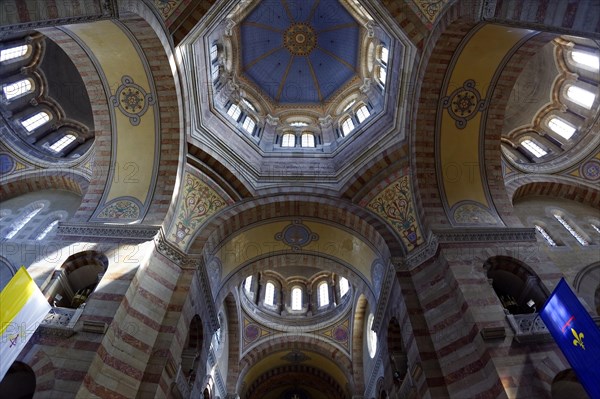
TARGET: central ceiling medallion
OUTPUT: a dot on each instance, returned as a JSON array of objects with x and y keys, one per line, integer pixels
[{"x": 300, "y": 39}]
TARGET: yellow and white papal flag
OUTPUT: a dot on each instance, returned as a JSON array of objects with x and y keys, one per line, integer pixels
[{"x": 22, "y": 308}]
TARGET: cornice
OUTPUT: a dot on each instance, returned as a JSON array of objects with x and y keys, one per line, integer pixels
[
  {"x": 486, "y": 234},
  {"x": 135, "y": 232},
  {"x": 384, "y": 295}
]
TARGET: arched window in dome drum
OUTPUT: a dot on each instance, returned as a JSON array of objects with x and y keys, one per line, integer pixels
[
  {"x": 344, "y": 286},
  {"x": 249, "y": 124},
  {"x": 362, "y": 113},
  {"x": 62, "y": 143},
  {"x": 35, "y": 121},
  {"x": 581, "y": 96},
  {"x": 323, "y": 294},
  {"x": 296, "y": 298},
  {"x": 248, "y": 283},
  {"x": 308, "y": 140},
  {"x": 270, "y": 294},
  {"x": 13, "y": 53},
  {"x": 534, "y": 148},
  {"x": 586, "y": 60},
  {"x": 562, "y": 128},
  {"x": 17, "y": 89},
  {"x": 234, "y": 111},
  {"x": 347, "y": 126},
  {"x": 288, "y": 140}
]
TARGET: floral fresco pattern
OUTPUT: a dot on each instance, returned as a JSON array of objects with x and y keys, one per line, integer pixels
[
  {"x": 199, "y": 202},
  {"x": 122, "y": 209},
  {"x": 395, "y": 205},
  {"x": 166, "y": 7},
  {"x": 473, "y": 214}
]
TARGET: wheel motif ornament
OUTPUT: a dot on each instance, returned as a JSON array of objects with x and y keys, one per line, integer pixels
[
  {"x": 464, "y": 103},
  {"x": 132, "y": 100}
]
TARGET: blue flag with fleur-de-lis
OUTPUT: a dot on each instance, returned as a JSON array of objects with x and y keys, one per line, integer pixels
[{"x": 576, "y": 335}]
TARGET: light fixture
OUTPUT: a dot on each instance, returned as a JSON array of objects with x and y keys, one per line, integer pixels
[{"x": 531, "y": 304}]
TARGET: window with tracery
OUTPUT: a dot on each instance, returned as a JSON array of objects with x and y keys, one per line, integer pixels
[
  {"x": 308, "y": 140},
  {"x": 347, "y": 126},
  {"x": 288, "y": 140},
  {"x": 571, "y": 230},
  {"x": 13, "y": 52},
  {"x": 296, "y": 298},
  {"x": 17, "y": 89},
  {"x": 362, "y": 113},
  {"x": 62, "y": 143},
  {"x": 323, "y": 294},
  {"x": 35, "y": 121},
  {"x": 249, "y": 124},
  {"x": 562, "y": 128},
  {"x": 270, "y": 294},
  {"x": 234, "y": 111},
  {"x": 534, "y": 148}
]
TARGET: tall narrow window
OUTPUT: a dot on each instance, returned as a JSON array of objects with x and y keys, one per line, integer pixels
[
  {"x": 17, "y": 89},
  {"x": 381, "y": 75},
  {"x": 308, "y": 140},
  {"x": 21, "y": 221},
  {"x": 347, "y": 126},
  {"x": 248, "y": 283},
  {"x": 296, "y": 298},
  {"x": 533, "y": 148},
  {"x": 581, "y": 96},
  {"x": 596, "y": 228},
  {"x": 215, "y": 72},
  {"x": 546, "y": 236},
  {"x": 586, "y": 59},
  {"x": 323, "y": 294},
  {"x": 46, "y": 231},
  {"x": 270, "y": 294},
  {"x": 214, "y": 52},
  {"x": 288, "y": 140},
  {"x": 249, "y": 125},
  {"x": 234, "y": 111},
  {"x": 571, "y": 230},
  {"x": 13, "y": 52},
  {"x": 344, "y": 286},
  {"x": 362, "y": 113},
  {"x": 62, "y": 143},
  {"x": 384, "y": 56},
  {"x": 35, "y": 121},
  {"x": 561, "y": 128}
]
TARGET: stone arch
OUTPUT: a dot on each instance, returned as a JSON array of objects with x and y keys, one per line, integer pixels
[
  {"x": 566, "y": 385},
  {"x": 361, "y": 311},
  {"x": 301, "y": 343},
  {"x": 346, "y": 214},
  {"x": 233, "y": 327},
  {"x": 515, "y": 284},
  {"x": 19, "y": 382},
  {"x": 274, "y": 262},
  {"x": 587, "y": 285},
  {"x": 48, "y": 179},
  {"x": 555, "y": 186}
]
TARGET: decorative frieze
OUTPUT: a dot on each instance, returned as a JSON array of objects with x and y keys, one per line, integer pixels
[
  {"x": 486, "y": 234},
  {"x": 94, "y": 231}
]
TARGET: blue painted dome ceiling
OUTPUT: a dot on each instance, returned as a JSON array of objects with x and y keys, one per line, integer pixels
[{"x": 299, "y": 51}]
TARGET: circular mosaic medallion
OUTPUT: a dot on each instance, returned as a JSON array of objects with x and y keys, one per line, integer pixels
[
  {"x": 591, "y": 170},
  {"x": 7, "y": 164},
  {"x": 300, "y": 39},
  {"x": 251, "y": 332},
  {"x": 340, "y": 333}
]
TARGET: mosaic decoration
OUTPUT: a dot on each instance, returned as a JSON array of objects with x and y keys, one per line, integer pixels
[
  {"x": 7, "y": 164},
  {"x": 430, "y": 9},
  {"x": 296, "y": 235},
  {"x": 464, "y": 103},
  {"x": 395, "y": 205},
  {"x": 590, "y": 170},
  {"x": 340, "y": 333},
  {"x": 300, "y": 39},
  {"x": 253, "y": 332},
  {"x": 132, "y": 100},
  {"x": 166, "y": 7},
  {"x": 377, "y": 275},
  {"x": 296, "y": 357},
  {"x": 120, "y": 209},
  {"x": 198, "y": 203},
  {"x": 471, "y": 213}
]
